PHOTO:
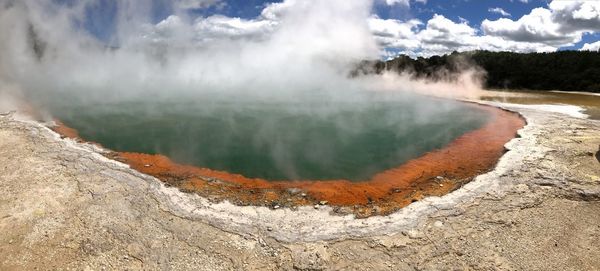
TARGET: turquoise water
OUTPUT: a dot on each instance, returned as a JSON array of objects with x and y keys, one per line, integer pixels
[{"x": 315, "y": 139}]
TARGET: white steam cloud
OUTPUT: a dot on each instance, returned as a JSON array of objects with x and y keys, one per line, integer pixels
[
  {"x": 293, "y": 48},
  {"x": 295, "y": 52},
  {"x": 46, "y": 50}
]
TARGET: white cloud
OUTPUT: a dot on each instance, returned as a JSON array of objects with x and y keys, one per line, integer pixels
[
  {"x": 441, "y": 35},
  {"x": 562, "y": 23},
  {"x": 220, "y": 27},
  {"x": 401, "y": 2},
  {"x": 499, "y": 10},
  {"x": 541, "y": 30},
  {"x": 394, "y": 33},
  {"x": 194, "y": 4},
  {"x": 576, "y": 15},
  {"x": 275, "y": 11},
  {"x": 215, "y": 28},
  {"x": 172, "y": 28},
  {"x": 537, "y": 26},
  {"x": 405, "y": 3},
  {"x": 443, "y": 30},
  {"x": 594, "y": 46}
]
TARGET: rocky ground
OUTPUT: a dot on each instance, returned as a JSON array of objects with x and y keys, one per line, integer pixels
[{"x": 65, "y": 206}]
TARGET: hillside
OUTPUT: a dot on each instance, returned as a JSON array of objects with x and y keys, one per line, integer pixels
[{"x": 563, "y": 70}]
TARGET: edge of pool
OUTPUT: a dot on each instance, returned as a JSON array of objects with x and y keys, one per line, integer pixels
[{"x": 307, "y": 224}]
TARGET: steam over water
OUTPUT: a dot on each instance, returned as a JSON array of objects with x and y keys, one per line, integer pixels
[
  {"x": 278, "y": 105},
  {"x": 303, "y": 140}
]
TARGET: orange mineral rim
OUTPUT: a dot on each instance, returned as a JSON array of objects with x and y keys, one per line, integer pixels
[{"x": 433, "y": 174}]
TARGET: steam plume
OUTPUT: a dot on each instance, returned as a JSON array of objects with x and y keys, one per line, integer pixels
[
  {"x": 309, "y": 50},
  {"x": 49, "y": 59},
  {"x": 46, "y": 51}
]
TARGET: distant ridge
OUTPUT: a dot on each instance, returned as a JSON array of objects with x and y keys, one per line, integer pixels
[{"x": 562, "y": 70}]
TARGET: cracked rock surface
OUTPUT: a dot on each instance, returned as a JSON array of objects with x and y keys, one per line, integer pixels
[{"x": 65, "y": 206}]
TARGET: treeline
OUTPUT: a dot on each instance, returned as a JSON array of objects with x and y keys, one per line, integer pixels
[{"x": 563, "y": 70}]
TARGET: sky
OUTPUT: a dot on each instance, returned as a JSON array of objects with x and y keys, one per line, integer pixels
[{"x": 411, "y": 27}]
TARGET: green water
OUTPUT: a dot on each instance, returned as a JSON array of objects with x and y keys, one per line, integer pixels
[{"x": 318, "y": 139}]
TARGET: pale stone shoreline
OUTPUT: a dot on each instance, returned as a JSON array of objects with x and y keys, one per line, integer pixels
[{"x": 64, "y": 204}]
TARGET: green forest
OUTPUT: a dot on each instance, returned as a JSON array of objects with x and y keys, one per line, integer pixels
[{"x": 562, "y": 70}]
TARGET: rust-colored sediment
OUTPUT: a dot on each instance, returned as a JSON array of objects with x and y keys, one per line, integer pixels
[
  {"x": 435, "y": 173},
  {"x": 65, "y": 130}
]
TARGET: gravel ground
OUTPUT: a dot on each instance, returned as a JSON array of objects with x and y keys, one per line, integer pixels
[{"x": 65, "y": 206}]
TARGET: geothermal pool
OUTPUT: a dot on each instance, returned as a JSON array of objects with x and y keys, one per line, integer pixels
[{"x": 299, "y": 139}]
